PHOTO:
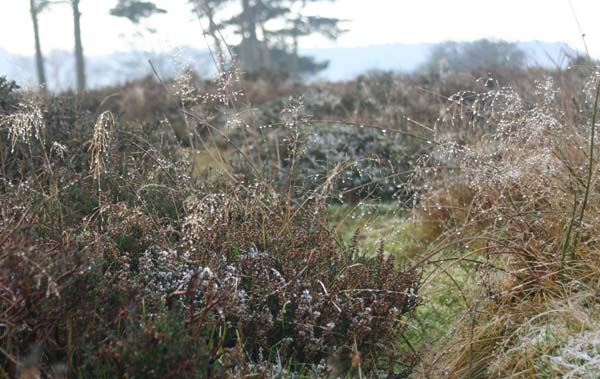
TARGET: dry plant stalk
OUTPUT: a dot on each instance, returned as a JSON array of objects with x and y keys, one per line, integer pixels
[{"x": 100, "y": 145}]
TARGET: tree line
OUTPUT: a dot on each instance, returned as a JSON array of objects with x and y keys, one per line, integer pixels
[
  {"x": 269, "y": 32},
  {"x": 36, "y": 8}
]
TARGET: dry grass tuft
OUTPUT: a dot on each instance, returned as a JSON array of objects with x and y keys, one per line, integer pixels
[{"x": 522, "y": 200}]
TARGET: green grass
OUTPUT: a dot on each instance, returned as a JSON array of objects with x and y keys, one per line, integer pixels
[
  {"x": 376, "y": 222},
  {"x": 443, "y": 291}
]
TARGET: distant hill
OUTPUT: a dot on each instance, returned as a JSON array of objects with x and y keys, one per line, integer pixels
[{"x": 345, "y": 63}]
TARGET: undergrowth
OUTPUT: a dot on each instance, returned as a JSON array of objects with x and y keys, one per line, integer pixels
[
  {"x": 120, "y": 257},
  {"x": 391, "y": 226}
]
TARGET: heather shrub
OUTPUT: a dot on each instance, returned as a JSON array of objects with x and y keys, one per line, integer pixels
[
  {"x": 8, "y": 95},
  {"x": 302, "y": 295},
  {"x": 371, "y": 134},
  {"x": 117, "y": 260},
  {"x": 247, "y": 281}
]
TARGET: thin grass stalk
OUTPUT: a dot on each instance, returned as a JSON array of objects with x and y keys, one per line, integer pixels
[
  {"x": 590, "y": 170},
  {"x": 568, "y": 236}
]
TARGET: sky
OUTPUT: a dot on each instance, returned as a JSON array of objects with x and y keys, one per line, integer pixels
[{"x": 369, "y": 22}]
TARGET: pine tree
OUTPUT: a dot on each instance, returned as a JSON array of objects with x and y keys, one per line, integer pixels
[
  {"x": 264, "y": 47},
  {"x": 135, "y": 10},
  {"x": 35, "y": 8}
]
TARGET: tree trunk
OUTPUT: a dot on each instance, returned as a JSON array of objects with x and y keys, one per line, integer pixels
[
  {"x": 249, "y": 48},
  {"x": 79, "y": 60},
  {"x": 39, "y": 59},
  {"x": 294, "y": 66}
]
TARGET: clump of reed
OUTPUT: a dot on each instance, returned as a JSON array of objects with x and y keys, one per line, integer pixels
[{"x": 514, "y": 201}]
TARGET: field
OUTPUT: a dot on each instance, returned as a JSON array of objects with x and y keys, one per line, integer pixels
[{"x": 393, "y": 226}]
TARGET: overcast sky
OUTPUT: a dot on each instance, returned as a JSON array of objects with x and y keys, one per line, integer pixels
[{"x": 369, "y": 22}]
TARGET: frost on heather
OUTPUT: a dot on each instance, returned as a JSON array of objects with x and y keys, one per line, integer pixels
[
  {"x": 580, "y": 357},
  {"x": 164, "y": 271}
]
